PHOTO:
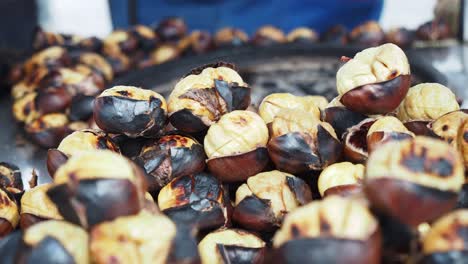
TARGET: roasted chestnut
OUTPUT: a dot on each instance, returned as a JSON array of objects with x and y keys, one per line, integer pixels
[
  {"x": 385, "y": 129},
  {"x": 267, "y": 197},
  {"x": 203, "y": 96},
  {"x": 228, "y": 37},
  {"x": 274, "y": 103},
  {"x": 9, "y": 213},
  {"x": 197, "y": 42},
  {"x": 48, "y": 130},
  {"x": 446, "y": 241},
  {"x": 143, "y": 238},
  {"x": 97, "y": 186},
  {"x": 300, "y": 142},
  {"x": 43, "y": 39},
  {"x": 171, "y": 29},
  {"x": 171, "y": 156},
  {"x": 120, "y": 63},
  {"x": 92, "y": 44},
  {"x": 368, "y": 34},
  {"x": 448, "y": 125},
  {"x": 236, "y": 146},
  {"x": 131, "y": 111},
  {"x": 98, "y": 64},
  {"x": 120, "y": 42},
  {"x": 423, "y": 103},
  {"x": 47, "y": 242},
  {"x": 414, "y": 180},
  {"x": 437, "y": 29},
  {"x": 145, "y": 37},
  {"x": 198, "y": 201},
  {"x": 337, "y": 35},
  {"x": 400, "y": 36},
  {"x": 333, "y": 230},
  {"x": 29, "y": 83},
  {"x": 268, "y": 35},
  {"x": 10, "y": 178},
  {"x": 343, "y": 178},
  {"x": 355, "y": 141},
  {"x": 462, "y": 142},
  {"x": 340, "y": 117},
  {"x": 75, "y": 144},
  {"x": 164, "y": 53},
  {"x": 303, "y": 34},
  {"x": 231, "y": 246},
  {"x": 375, "y": 81},
  {"x": 37, "y": 207},
  {"x": 50, "y": 58}
]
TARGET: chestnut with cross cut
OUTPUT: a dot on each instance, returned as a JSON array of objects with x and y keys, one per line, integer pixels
[
  {"x": 203, "y": 96},
  {"x": 423, "y": 174},
  {"x": 316, "y": 232},
  {"x": 375, "y": 81}
]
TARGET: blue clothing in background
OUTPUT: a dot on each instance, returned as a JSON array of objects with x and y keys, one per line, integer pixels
[{"x": 248, "y": 15}]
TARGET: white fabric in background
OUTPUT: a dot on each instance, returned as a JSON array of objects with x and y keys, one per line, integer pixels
[{"x": 81, "y": 17}]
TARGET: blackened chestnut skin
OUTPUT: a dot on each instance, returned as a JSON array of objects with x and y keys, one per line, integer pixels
[
  {"x": 81, "y": 107},
  {"x": 410, "y": 203},
  {"x": 377, "y": 98},
  {"x": 52, "y": 99},
  {"x": 330, "y": 250},
  {"x": 107, "y": 107},
  {"x": 97, "y": 197},
  {"x": 238, "y": 254},
  {"x": 240, "y": 166},
  {"x": 341, "y": 119},
  {"x": 12, "y": 180}
]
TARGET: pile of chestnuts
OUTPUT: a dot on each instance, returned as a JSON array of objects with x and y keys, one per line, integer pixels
[{"x": 377, "y": 175}]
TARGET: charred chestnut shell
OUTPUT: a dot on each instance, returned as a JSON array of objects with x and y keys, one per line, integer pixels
[
  {"x": 446, "y": 241},
  {"x": 10, "y": 177},
  {"x": 341, "y": 118},
  {"x": 368, "y": 34},
  {"x": 48, "y": 130},
  {"x": 204, "y": 95},
  {"x": 144, "y": 237},
  {"x": 301, "y": 143},
  {"x": 236, "y": 146},
  {"x": 97, "y": 186},
  {"x": 37, "y": 207},
  {"x": 392, "y": 80},
  {"x": 171, "y": 29},
  {"x": 198, "y": 201},
  {"x": 315, "y": 233},
  {"x": 414, "y": 180},
  {"x": 77, "y": 143},
  {"x": 131, "y": 111},
  {"x": 9, "y": 213},
  {"x": 266, "y": 198},
  {"x": 231, "y": 246},
  {"x": 171, "y": 156}
]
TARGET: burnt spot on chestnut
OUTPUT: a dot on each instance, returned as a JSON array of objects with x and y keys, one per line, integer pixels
[
  {"x": 343, "y": 178},
  {"x": 202, "y": 97},
  {"x": 427, "y": 102},
  {"x": 10, "y": 177},
  {"x": 303, "y": 34},
  {"x": 197, "y": 42},
  {"x": 9, "y": 212},
  {"x": 228, "y": 37},
  {"x": 448, "y": 125},
  {"x": 447, "y": 239},
  {"x": 400, "y": 36},
  {"x": 171, "y": 29},
  {"x": 236, "y": 146},
  {"x": 267, "y": 197},
  {"x": 381, "y": 87},
  {"x": 144, "y": 237},
  {"x": 268, "y": 35},
  {"x": 300, "y": 142},
  {"x": 48, "y": 130},
  {"x": 420, "y": 174},
  {"x": 318, "y": 230},
  {"x": 54, "y": 242},
  {"x": 171, "y": 156},
  {"x": 81, "y": 108},
  {"x": 368, "y": 34},
  {"x": 272, "y": 104},
  {"x": 97, "y": 186},
  {"x": 335, "y": 35},
  {"x": 386, "y": 129},
  {"x": 37, "y": 207},
  {"x": 196, "y": 200},
  {"x": 231, "y": 246},
  {"x": 131, "y": 111}
]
